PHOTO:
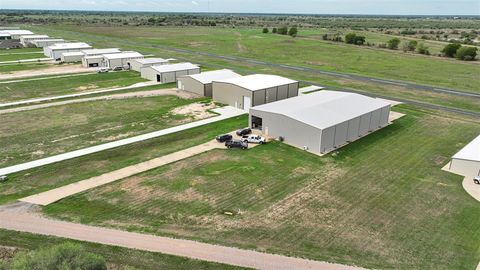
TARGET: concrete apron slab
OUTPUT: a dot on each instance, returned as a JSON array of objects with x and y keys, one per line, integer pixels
[
  {"x": 470, "y": 187},
  {"x": 54, "y": 195}
]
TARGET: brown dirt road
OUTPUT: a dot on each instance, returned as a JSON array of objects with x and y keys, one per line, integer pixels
[
  {"x": 52, "y": 70},
  {"x": 20, "y": 217}
]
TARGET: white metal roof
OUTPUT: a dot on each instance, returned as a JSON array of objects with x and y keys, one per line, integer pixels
[
  {"x": 100, "y": 51},
  {"x": 17, "y": 32},
  {"x": 151, "y": 60},
  {"x": 73, "y": 45},
  {"x": 72, "y": 54},
  {"x": 209, "y": 76},
  {"x": 311, "y": 88},
  {"x": 325, "y": 108},
  {"x": 93, "y": 56},
  {"x": 258, "y": 81},
  {"x": 175, "y": 67},
  {"x": 122, "y": 55},
  {"x": 34, "y": 36},
  {"x": 47, "y": 40},
  {"x": 471, "y": 151}
]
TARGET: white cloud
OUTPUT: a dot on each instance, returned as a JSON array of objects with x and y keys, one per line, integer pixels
[{"x": 195, "y": 3}]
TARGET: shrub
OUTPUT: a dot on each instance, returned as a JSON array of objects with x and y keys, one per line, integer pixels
[
  {"x": 274, "y": 30},
  {"x": 422, "y": 49},
  {"x": 265, "y": 30},
  {"x": 410, "y": 46},
  {"x": 282, "y": 30},
  {"x": 451, "y": 49},
  {"x": 466, "y": 53},
  {"x": 63, "y": 256},
  {"x": 293, "y": 31},
  {"x": 352, "y": 38},
  {"x": 393, "y": 43}
]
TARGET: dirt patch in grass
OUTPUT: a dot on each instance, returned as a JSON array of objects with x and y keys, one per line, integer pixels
[
  {"x": 195, "y": 111},
  {"x": 86, "y": 87},
  {"x": 197, "y": 44}
]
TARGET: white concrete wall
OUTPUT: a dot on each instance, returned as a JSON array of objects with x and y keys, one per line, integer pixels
[{"x": 465, "y": 167}]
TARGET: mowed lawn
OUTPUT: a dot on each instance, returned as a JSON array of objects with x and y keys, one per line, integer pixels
[
  {"x": 35, "y": 134},
  {"x": 9, "y": 68},
  {"x": 117, "y": 258},
  {"x": 30, "y": 89},
  {"x": 301, "y": 51},
  {"x": 381, "y": 202},
  {"x": 26, "y": 183},
  {"x": 15, "y": 56}
]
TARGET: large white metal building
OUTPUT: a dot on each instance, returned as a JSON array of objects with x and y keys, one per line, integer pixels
[
  {"x": 16, "y": 33},
  {"x": 467, "y": 161},
  {"x": 169, "y": 73},
  {"x": 138, "y": 64},
  {"x": 55, "y": 51},
  {"x": 26, "y": 40},
  {"x": 46, "y": 42},
  {"x": 70, "y": 57},
  {"x": 253, "y": 90},
  {"x": 321, "y": 121},
  {"x": 201, "y": 84},
  {"x": 122, "y": 59}
]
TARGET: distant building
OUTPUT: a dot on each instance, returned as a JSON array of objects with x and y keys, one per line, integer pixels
[
  {"x": 55, "y": 51},
  {"x": 70, "y": 57},
  {"x": 467, "y": 161},
  {"x": 253, "y": 90},
  {"x": 321, "y": 121},
  {"x": 120, "y": 59},
  {"x": 201, "y": 84},
  {"x": 169, "y": 73},
  {"x": 16, "y": 33},
  {"x": 46, "y": 42},
  {"x": 138, "y": 64},
  {"x": 26, "y": 40}
]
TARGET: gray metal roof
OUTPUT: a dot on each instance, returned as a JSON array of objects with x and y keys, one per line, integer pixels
[
  {"x": 325, "y": 108},
  {"x": 258, "y": 81},
  {"x": 151, "y": 60},
  {"x": 209, "y": 76},
  {"x": 471, "y": 151},
  {"x": 174, "y": 67}
]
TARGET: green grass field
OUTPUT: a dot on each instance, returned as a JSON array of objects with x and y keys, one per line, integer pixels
[
  {"x": 59, "y": 129},
  {"x": 68, "y": 85},
  {"x": 20, "y": 56},
  {"x": 372, "y": 203},
  {"x": 286, "y": 50},
  {"x": 117, "y": 258},
  {"x": 58, "y": 174},
  {"x": 9, "y": 68}
]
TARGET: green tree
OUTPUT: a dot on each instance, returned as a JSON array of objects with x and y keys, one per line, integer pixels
[
  {"x": 62, "y": 256},
  {"x": 422, "y": 49},
  {"x": 410, "y": 46},
  {"x": 467, "y": 53},
  {"x": 282, "y": 30},
  {"x": 293, "y": 31},
  {"x": 274, "y": 30},
  {"x": 352, "y": 38},
  {"x": 450, "y": 50},
  {"x": 265, "y": 30},
  {"x": 393, "y": 43}
]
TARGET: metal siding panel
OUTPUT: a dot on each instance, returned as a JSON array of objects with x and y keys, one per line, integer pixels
[
  {"x": 282, "y": 92},
  {"x": 364, "y": 124},
  {"x": 375, "y": 120},
  {"x": 327, "y": 141},
  {"x": 341, "y": 133},
  {"x": 385, "y": 115},
  {"x": 353, "y": 128},
  {"x": 259, "y": 97},
  {"x": 271, "y": 95}
]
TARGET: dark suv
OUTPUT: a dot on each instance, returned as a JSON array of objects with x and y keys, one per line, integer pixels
[
  {"x": 244, "y": 131},
  {"x": 223, "y": 138},
  {"x": 236, "y": 144}
]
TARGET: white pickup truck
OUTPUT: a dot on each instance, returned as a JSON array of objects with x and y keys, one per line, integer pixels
[{"x": 253, "y": 139}]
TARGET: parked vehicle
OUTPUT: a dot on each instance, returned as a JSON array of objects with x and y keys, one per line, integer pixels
[
  {"x": 236, "y": 144},
  {"x": 476, "y": 180},
  {"x": 102, "y": 70},
  {"x": 119, "y": 68},
  {"x": 254, "y": 139},
  {"x": 244, "y": 131},
  {"x": 223, "y": 138},
  {"x": 3, "y": 178}
]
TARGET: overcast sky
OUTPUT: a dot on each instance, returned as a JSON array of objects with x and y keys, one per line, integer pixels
[{"x": 394, "y": 7}]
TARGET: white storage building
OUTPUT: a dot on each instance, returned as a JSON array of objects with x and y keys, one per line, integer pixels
[
  {"x": 138, "y": 64},
  {"x": 467, "y": 161},
  {"x": 201, "y": 84},
  {"x": 169, "y": 73},
  {"x": 70, "y": 57},
  {"x": 55, "y": 51},
  {"x": 46, "y": 42},
  {"x": 16, "y": 33},
  {"x": 120, "y": 59},
  {"x": 321, "y": 121},
  {"x": 26, "y": 40},
  {"x": 92, "y": 52},
  {"x": 253, "y": 90}
]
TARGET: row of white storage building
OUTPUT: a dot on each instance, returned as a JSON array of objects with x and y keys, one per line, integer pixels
[{"x": 28, "y": 38}]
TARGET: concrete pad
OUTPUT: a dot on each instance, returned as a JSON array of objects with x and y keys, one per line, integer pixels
[
  {"x": 395, "y": 116},
  {"x": 470, "y": 187},
  {"x": 392, "y": 102}
]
